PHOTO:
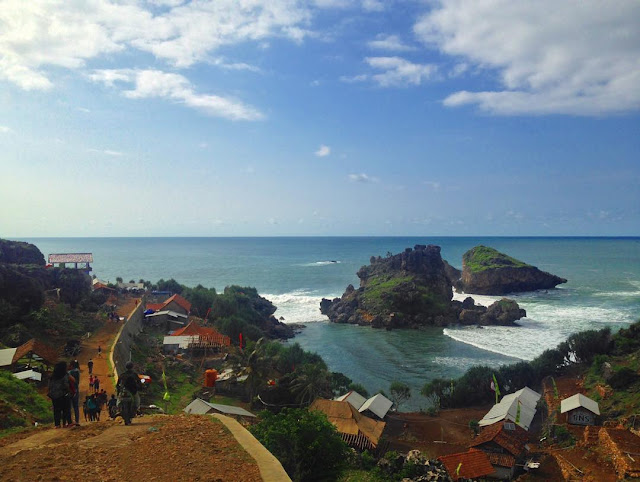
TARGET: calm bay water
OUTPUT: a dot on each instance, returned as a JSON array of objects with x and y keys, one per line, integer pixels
[{"x": 295, "y": 273}]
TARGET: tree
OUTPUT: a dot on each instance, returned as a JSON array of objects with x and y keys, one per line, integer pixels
[
  {"x": 305, "y": 442},
  {"x": 400, "y": 392},
  {"x": 119, "y": 279},
  {"x": 311, "y": 381}
]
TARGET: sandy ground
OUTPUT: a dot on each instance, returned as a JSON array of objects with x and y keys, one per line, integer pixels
[{"x": 156, "y": 448}]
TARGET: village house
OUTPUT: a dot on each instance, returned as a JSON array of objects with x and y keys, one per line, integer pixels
[
  {"x": 376, "y": 407},
  {"x": 23, "y": 359},
  {"x": 354, "y": 398},
  {"x": 505, "y": 446},
  {"x": 194, "y": 337},
  {"x": 169, "y": 320},
  {"x": 580, "y": 410},
  {"x": 357, "y": 430},
  {"x": 175, "y": 303},
  {"x": 473, "y": 464}
]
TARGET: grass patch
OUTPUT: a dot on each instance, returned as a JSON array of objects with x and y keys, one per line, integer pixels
[
  {"x": 377, "y": 287},
  {"x": 359, "y": 475},
  {"x": 482, "y": 258},
  {"x": 21, "y": 404}
]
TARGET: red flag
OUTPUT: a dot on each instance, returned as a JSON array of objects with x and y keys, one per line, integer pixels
[
  {"x": 241, "y": 341},
  {"x": 207, "y": 315}
]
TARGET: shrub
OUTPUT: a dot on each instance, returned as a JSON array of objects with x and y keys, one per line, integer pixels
[
  {"x": 305, "y": 442},
  {"x": 622, "y": 378}
]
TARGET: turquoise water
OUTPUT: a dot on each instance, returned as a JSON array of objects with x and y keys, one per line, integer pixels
[{"x": 295, "y": 273}]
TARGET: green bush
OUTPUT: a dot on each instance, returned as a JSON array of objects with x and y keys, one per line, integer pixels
[
  {"x": 22, "y": 397},
  {"x": 622, "y": 378},
  {"x": 305, "y": 442}
]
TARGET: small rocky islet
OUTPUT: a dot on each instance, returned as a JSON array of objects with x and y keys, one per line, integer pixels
[{"x": 413, "y": 289}]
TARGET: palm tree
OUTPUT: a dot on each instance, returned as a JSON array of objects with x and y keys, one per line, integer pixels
[{"x": 310, "y": 382}]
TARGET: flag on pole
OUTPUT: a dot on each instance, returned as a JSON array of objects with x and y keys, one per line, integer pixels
[
  {"x": 207, "y": 315},
  {"x": 241, "y": 341},
  {"x": 458, "y": 469},
  {"x": 166, "y": 389},
  {"x": 495, "y": 387}
]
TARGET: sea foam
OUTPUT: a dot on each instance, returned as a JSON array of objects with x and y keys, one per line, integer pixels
[{"x": 300, "y": 306}]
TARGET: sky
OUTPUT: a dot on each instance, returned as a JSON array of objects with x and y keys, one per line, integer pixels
[{"x": 325, "y": 117}]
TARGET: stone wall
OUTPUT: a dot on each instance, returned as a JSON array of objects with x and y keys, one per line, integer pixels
[{"x": 120, "y": 353}]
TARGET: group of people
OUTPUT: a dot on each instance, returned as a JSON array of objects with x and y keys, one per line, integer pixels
[{"x": 64, "y": 394}]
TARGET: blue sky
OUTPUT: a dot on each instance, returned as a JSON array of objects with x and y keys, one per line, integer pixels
[{"x": 326, "y": 117}]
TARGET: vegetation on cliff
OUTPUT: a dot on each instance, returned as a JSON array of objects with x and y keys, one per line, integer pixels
[
  {"x": 481, "y": 258},
  {"x": 589, "y": 351},
  {"x": 486, "y": 271},
  {"x": 20, "y": 403},
  {"x": 412, "y": 289}
]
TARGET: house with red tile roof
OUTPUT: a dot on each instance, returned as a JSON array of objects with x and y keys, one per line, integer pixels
[
  {"x": 175, "y": 303},
  {"x": 467, "y": 465},
  {"x": 195, "y": 337},
  {"x": 504, "y": 444}
]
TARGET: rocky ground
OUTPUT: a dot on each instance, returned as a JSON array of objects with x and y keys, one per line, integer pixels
[{"x": 154, "y": 448}]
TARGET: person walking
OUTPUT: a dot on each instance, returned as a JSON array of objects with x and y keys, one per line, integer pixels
[
  {"x": 90, "y": 366},
  {"x": 96, "y": 384},
  {"x": 99, "y": 351},
  {"x": 128, "y": 387},
  {"x": 59, "y": 394},
  {"x": 91, "y": 379},
  {"x": 75, "y": 399}
]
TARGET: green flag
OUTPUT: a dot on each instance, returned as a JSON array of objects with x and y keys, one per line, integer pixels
[
  {"x": 496, "y": 388},
  {"x": 458, "y": 469},
  {"x": 518, "y": 413},
  {"x": 166, "y": 389}
]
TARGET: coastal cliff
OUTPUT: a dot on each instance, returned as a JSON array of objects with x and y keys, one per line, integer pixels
[
  {"x": 486, "y": 271},
  {"x": 409, "y": 290}
]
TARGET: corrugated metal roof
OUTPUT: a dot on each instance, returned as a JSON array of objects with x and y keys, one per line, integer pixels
[
  {"x": 579, "y": 400},
  {"x": 354, "y": 398},
  {"x": 200, "y": 407},
  {"x": 168, "y": 312},
  {"x": 378, "y": 404},
  {"x": 6, "y": 356},
  {"x": 71, "y": 258}
]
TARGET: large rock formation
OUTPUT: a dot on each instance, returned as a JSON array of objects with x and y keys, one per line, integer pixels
[
  {"x": 486, "y": 271},
  {"x": 410, "y": 289}
]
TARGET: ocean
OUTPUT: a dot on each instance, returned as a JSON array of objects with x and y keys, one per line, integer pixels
[{"x": 296, "y": 273}]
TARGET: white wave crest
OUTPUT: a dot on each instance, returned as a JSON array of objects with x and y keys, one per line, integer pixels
[
  {"x": 483, "y": 300},
  {"x": 298, "y": 306},
  {"x": 321, "y": 263}
]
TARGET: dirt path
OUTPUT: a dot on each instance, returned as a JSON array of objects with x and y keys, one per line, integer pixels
[
  {"x": 156, "y": 448},
  {"x": 103, "y": 338}
]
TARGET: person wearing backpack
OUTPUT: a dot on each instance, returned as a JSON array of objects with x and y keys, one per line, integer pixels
[
  {"x": 75, "y": 399},
  {"x": 59, "y": 394},
  {"x": 128, "y": 397}
]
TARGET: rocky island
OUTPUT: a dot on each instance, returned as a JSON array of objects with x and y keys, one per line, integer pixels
[
  {"x": 486, "y": 271},
  {"x": 411, "y": 290}
]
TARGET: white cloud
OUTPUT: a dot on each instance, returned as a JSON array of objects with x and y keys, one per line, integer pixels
[
  {"x": 362, "y": 177},
  {"x": 177, "y": 88},
  {"x": 373, "y": 5},
  {"x": 573, "y": 57},
  {"x": 399, "y": 72},
  {"x": 389, "y": 42},
  {"x": 5, "y": 130},
  {"x": 323, "y": 151},
  {"x": 432, "y": 184},
  {"x": 83, "y": 109},
  {"x": 107, "y": 152},
  {"x": 40, "y": 34}
]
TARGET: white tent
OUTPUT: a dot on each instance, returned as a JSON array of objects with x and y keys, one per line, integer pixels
[
  {"x": 29, "y": 374},
  {"x": 379, "y": 405},
  {"x": 6, "y": 356},
  {"x": 200, "y": 407},
  {"x": 579, "y": 400},
  {"x": 524, "y": 400},
  {"x": 354, "y": 398}
]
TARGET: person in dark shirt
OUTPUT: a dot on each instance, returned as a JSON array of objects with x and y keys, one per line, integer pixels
[{"x": 128, "y": 387}]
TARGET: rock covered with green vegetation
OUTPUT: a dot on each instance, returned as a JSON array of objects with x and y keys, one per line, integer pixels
[
  {"x": 409, "y": 290},
  {"x": 486, "y": 271},
  {"x": 19, "y": 252}
]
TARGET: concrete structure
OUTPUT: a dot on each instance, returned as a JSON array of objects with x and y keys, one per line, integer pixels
[
  {"x": 63, "y": 259},
  {"x": 168, "y": 319},
  {"x": 121, "y": 351},
  {"x": 580, "y": 410}
]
